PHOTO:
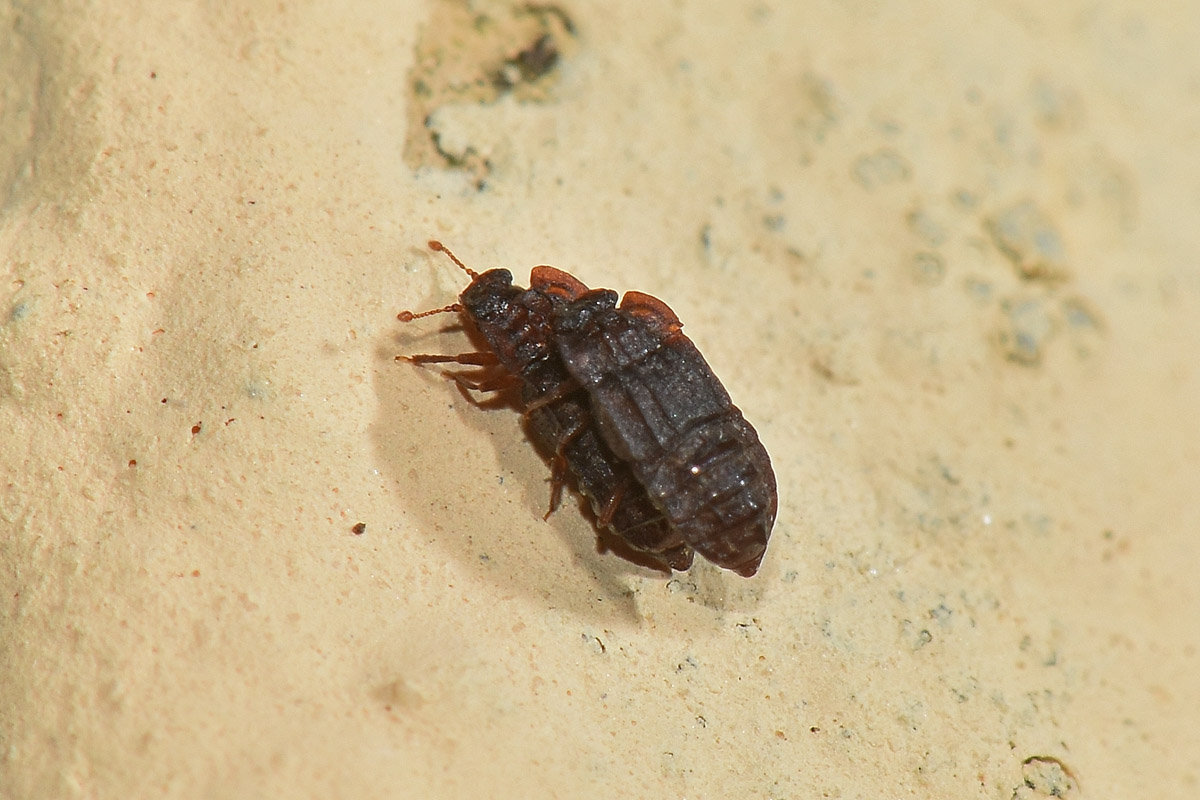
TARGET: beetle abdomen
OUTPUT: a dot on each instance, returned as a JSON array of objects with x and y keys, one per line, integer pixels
[{"x": 659, "y": 407}]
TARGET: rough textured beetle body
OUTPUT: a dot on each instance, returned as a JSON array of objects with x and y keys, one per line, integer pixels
[
  {"x": 661, "y": 409},
  {"x": 517, "y": 325}
]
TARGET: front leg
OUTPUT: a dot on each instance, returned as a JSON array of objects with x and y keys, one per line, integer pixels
[
  {"x": 486, "y": 359},
  {"x": 496, "y": 382}
]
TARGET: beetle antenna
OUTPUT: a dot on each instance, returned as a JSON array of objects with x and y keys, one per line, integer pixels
[
  {"x": 409, "y": 316},
  {"x": 434, "y": 244}
]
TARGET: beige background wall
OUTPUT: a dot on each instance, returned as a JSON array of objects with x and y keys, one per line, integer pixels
[{"x": 944, "y": 255}]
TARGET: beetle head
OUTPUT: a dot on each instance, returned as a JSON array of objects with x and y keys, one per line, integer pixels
[{"x": 489, "y": 294}]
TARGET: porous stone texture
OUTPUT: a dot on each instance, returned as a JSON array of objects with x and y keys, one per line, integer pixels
[{"x": 943, "y": 255}]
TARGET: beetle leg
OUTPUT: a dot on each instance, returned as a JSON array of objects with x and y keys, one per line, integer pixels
[
  {"x": 471, "y": 359},
  {"x": 496, "y": 383},
  {"x": 558, "y": 472},
  {"x": 610, "y": 508},
  {"x": 558, "y": 465},
  {"x": 564, "y": 389}
]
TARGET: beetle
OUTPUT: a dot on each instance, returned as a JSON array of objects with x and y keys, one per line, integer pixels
[
  {"x": 517, "y": 325},
  {"x": 660, "y": 408}
]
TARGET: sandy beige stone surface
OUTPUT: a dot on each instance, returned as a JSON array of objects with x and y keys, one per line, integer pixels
[{"x": 945, "y": 257}]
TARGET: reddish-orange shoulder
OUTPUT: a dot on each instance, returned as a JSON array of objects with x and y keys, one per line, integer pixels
[
  {"x": 556, "y": 283},
  {"x": 652, "y": 311}
]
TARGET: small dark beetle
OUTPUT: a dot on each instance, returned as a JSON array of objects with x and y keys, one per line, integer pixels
[
  {"x": 517, "y": 325},
  {"x": 661, "y": 409}
]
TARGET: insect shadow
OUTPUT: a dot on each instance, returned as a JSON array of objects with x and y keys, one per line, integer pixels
[
  {"x": 509, "y": 398},
  {"x": 468, "y": 517}
]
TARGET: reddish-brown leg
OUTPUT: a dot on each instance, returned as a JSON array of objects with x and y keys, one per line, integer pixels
[
  {"x": 497, "y": 383},
  {"x": 493, "y": 383},
  {"x": 469, "y": 359},
  {"x": 610, "y": 508},
  {"x": 558, "y": 472},
  {"x": 564, "y": 389},
  {"x": 558, "y": 466}
]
